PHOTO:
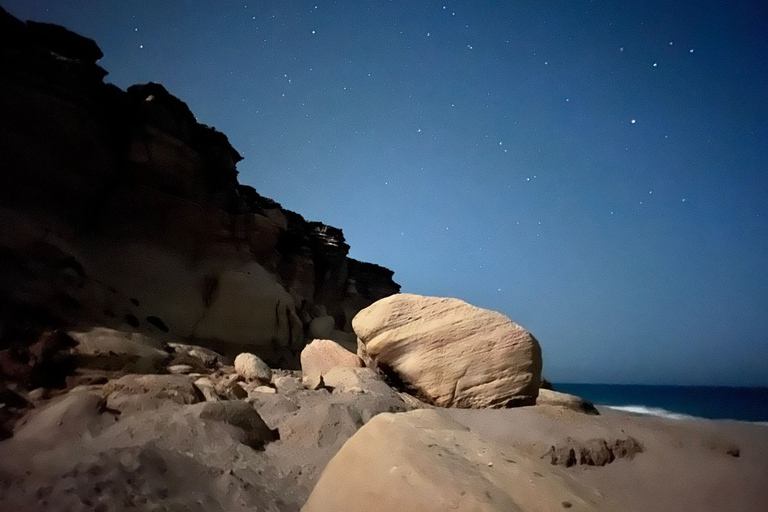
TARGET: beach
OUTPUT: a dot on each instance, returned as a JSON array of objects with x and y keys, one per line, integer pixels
[{"x": 685, "y": 465}]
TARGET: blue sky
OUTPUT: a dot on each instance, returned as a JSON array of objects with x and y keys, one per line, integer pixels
[{"x": 597, "y": 171}]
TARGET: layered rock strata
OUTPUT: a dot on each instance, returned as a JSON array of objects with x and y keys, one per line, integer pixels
[{"x": 119, "y": 209}]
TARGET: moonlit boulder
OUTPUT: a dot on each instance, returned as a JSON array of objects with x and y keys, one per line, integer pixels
[{"x": 449, "y": 352}]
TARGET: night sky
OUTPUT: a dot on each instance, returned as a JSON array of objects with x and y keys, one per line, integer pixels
[{"x": 598, "y": 171}]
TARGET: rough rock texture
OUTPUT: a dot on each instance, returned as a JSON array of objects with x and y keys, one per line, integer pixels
[
  {"x": 423, "y": 462},
  {"x": 119, "y": 209},
  {"x": 109, "y": 349},
  {"x": 450, "y": 352},
  {"x": 250, "y": 367},
  {"x": 320, "y": 356},
  {"x": 562, "y": 436},
  {"x": 551, "y": 397},
  {"x": 356, "y": 380},
  {"x": 143, "y": 392}
]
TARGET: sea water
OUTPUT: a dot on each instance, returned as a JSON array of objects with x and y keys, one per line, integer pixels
[{"x": 677, "y": 402}]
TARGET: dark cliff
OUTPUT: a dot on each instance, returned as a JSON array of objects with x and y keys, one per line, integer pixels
[{"x": 119, "y": 208}]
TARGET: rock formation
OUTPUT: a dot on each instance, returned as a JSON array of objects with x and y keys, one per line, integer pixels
[
  {"x": 129, "y": 254},
  {"x": 119, "y": 209},
  {"x": 449, "y": 352},
  {"x": 423, "y": 462},
  {"x": 321, "y": 356}
]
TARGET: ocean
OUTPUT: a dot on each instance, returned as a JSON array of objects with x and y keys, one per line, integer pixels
[{"x": 677, "y": 402}]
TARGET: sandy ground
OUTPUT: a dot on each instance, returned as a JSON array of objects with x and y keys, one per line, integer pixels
[
  {"x": 78, "y": 452},
  {"x": 686, "y": 465}
]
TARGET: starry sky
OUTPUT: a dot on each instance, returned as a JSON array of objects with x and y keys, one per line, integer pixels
[{"x": 596, "y": 170}]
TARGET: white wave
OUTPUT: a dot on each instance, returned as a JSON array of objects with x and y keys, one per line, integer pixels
[
  {"x": 651, "y": 411},
  {"x": 663, "y": 413}
]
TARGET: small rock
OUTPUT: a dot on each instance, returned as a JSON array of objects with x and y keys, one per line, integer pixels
[
  {"x": 241, "y": 415},
  {"x": 320, "y": 356},
  {"x": 206, "y": 356},
  {"x": 251, "y": 367},
  {"x": 550, "y": 397},
  {"x": 313, "y": 382},
  {"x": 287, "y": 384},
  {"x": 38, "y": 394},
  {"x": 236, "y": 391},
  {"x": 264, "y": 389},
  {"x": 356, "y": 380},
  {"x": 180, "y": 369},
  {"x": 206, "y": 387}
]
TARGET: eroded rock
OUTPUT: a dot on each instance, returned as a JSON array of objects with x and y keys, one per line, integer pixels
[
  {"x": 142, "y": 392},
  {"x": 450, "y": 352},
  {"x": 250, "y": 367},
  {"x": 109, "y": 349},
  {"x": 550, "y": 397},
  {"x": 422, "y": 462},
  {"x": 321, "y": 356}
]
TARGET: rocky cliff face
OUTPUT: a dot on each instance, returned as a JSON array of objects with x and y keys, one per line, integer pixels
[{"x": 118, "y": 208}]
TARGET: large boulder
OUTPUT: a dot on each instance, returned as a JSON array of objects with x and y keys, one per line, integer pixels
[
  {"x": 450, "y": 352},
  {"x": 421, "y": 461},
  {"x": 556, "y": 398}
]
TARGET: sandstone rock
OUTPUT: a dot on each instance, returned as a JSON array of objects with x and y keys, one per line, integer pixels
[
  {"x": 108, "y": 349},
  {"x": 321, "y": 425},
  {"x": 264, "y": 389},
  {"x": 240, "y": 415},
  {"x": 250, "y": 367},
  {"x": 65, "y": 419},
  {"x": 450, "y": 352},
  {"x": 554, "y": 433},
  {"x": 356, "y": 380},
  {"x": 313, "y": 382},
  {"x": 593, "y": 452},
  {"x": 421, "y": 462},
  {"x": 38, "y": 394},
  {"x": 320, "y": 356},
  {"x": 273, "y": 408},
  {"x": 179, "y": 232},
  {"x": 287, "y": 384},
  {"x": 550, "y": 397},
  {"x": 250, "y": 308},
  {"x": 229, "y": 386},
  {"x": 142, "y": 392},
  {"x": 207, "y": 388},
  {"x": 207, "y": 357}
]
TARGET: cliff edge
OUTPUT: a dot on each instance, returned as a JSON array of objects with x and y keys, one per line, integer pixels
[{"x": 118, "y": 208}]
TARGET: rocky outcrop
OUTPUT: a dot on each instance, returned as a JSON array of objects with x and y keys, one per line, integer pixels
[
  {"x": 576, "y": 403},
  {"x": 594, "y": 452},
  {"x": 108, "y": 349},
  {"x": 119, "y": 209},
  {"x": 449, "y": 352},
  {"x": 422, "y": 462}
]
